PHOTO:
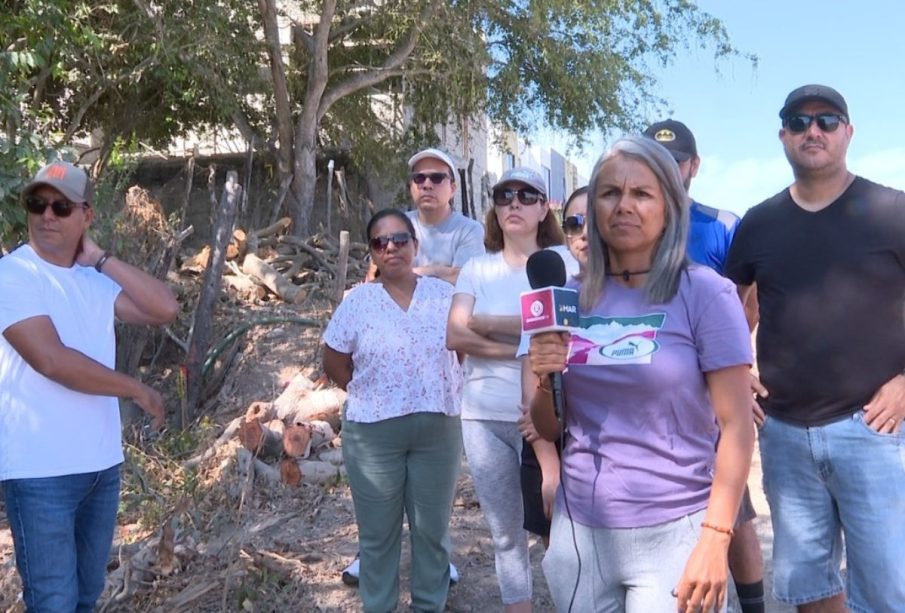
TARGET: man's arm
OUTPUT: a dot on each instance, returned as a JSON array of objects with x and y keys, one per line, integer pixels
[
  {"x": 37, "y": 341},
  {"x": 450, "y": 274},
  {"x": 144, "y": 299}
]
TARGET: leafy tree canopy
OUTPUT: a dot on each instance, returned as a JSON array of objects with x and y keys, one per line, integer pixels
[{"x": 295, "y": 77}]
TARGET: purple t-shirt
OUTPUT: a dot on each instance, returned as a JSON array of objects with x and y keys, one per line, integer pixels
[{"x": 641, "y": 431}]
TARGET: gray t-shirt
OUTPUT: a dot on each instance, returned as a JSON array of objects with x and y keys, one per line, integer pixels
[{"x": 452, "y": 242}]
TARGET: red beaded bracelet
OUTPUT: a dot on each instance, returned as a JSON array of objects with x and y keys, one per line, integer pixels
[{"x": 719, "y": 529}]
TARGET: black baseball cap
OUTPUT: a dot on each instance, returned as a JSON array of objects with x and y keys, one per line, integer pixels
[
  {"x": 675, "y": 136},
  {"x": 806, "y": 93}
]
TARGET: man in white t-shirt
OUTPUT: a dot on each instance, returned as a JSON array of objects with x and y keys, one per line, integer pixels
[{"x": 60, "y": 447}]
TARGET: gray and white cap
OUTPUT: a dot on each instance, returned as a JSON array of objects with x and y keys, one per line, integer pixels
[{"x": 66, "y": 178}]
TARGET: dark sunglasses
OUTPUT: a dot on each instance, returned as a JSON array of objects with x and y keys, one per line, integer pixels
[
  {"x": 436, "y": 178},
  {"x": 827, "y": 122},
  {"x": 399, "y": 239},
  {"x": 60, "y": 208},
  {"x": 573, "y": 224},
  {"x": 505, "y": 196}
]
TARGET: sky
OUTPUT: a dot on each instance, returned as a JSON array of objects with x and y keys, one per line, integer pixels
[{"x": 732, "y": 107}]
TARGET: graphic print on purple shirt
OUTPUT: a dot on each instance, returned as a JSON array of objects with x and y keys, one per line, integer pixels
[
  {"x": 616, "y": 340},
  {"x": 641, "y": 431}
]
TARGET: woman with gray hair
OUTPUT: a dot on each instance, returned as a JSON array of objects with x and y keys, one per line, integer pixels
[{"x": 658, "y": 431}]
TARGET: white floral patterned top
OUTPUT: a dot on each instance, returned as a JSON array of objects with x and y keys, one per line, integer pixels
[{"x": 400, "y": 364}]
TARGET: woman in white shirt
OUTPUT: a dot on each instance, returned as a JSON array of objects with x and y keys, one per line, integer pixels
[
  {"x": 402, "y": 441},
  {"x": 484, "y": 324}
]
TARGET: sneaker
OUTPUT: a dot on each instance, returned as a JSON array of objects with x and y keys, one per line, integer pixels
[
  {"x": 351, "y": 572},
  {"x": 453, "y": 574}
]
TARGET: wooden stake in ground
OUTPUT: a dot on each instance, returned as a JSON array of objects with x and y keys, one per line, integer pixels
[
  {"x": 202, "y": 325},
  {"x": 342, "y": 266}
]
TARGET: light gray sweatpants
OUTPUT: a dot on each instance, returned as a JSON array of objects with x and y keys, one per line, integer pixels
[{"x": 494, "y": 451}]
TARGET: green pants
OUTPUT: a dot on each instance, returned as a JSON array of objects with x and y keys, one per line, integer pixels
[{"x": 409, "y": 464}]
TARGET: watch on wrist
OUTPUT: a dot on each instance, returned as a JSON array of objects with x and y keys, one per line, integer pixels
[{"x": 102, "y": 260}]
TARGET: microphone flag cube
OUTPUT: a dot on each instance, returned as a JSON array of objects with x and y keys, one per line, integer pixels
[{"x": 549, "y": 309}]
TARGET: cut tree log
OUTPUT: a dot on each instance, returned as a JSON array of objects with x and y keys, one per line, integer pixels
[
  {"x": 333, "y": 455},
  {"x": 277, "y": 228},
  {"x": 262, "y": 411},
  {"x": 294, "y": 406},
  {"x": 198, "y": 262},
  {"x": 268, "y": 276},
  {"x": 263, "y": 440},
  {"x": 297, "y": 440},
  {"x": 245, "y": 288},
  {"x": 295, "y": 472},
  {"x": 248, "y": 465},
  {"x": 299, "y": 387},
  {"x": 322, "y": 433}
]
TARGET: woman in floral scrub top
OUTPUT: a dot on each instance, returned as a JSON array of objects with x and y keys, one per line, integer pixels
[{"x": 402, "y": 439}]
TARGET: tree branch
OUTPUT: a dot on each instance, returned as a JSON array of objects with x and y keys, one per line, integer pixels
[
  {"x": 393, "y": 62},
  {"x": 278, "y": 75}
]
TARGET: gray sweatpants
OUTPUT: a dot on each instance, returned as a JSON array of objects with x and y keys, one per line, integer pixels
[{"x": 494, "y": 450}]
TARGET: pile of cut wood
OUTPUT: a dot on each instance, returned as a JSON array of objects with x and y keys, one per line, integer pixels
[
  {"x": 292, "y": 440},
  {"x": 271, "y": 262}
]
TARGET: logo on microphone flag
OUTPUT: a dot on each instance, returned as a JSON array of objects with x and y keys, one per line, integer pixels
[{"x": 549, "y": 309}]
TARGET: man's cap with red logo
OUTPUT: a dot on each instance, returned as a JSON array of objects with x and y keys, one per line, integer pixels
[{"x": 66, "y": 178}]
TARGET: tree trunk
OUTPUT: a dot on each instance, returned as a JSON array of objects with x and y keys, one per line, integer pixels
[{"x": 203, "y": 322}]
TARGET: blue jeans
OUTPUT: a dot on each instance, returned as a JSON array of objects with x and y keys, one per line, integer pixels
[
  {"x": 63, "y": 530},
  {"x": 828, "y": 481}
]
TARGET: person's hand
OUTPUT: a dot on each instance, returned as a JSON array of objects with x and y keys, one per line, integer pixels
[
  {"x": 548, "y": 353},
  {"x": 703, "y": 584},
  {"x": 886, "y": 410},
  {"x": 757, "y": 389},
  {"x": 526, "y": 425},
  {"x": 151, "y": 402},
  {"x": 548, "y": 486},
  {"x": 88, "y": 252}
]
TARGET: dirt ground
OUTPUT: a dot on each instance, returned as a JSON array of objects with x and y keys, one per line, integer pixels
[{"x": 276, "y": 548}]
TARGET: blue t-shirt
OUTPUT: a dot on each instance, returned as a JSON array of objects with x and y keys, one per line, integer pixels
[{"x": 709, "y": 235}]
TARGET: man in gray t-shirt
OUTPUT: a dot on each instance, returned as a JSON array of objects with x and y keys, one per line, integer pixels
[{"x": 446, "y": 238}]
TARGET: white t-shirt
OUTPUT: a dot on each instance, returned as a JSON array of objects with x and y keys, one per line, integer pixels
[
  {"x": 47, "y": 430},
  {"x": 492, "y": 387},
  {"x": 400, "y": 361}
]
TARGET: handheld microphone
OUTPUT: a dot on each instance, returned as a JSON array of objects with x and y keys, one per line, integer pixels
[{"x": 549, "y": 307}]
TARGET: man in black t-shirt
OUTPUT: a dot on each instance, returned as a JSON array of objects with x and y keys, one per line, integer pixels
[{"x": 828, "y": 257}]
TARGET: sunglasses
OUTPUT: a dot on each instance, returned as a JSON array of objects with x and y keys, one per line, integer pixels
[
  {"x": 399, "y": 239},
  {"x": 573, "y": 225},
  {"x": 60, "y": 208},
  {"x": 827, "y": 122},
  {"x": 526, "y": 195},
  {"x": 436, "y": 178}
]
